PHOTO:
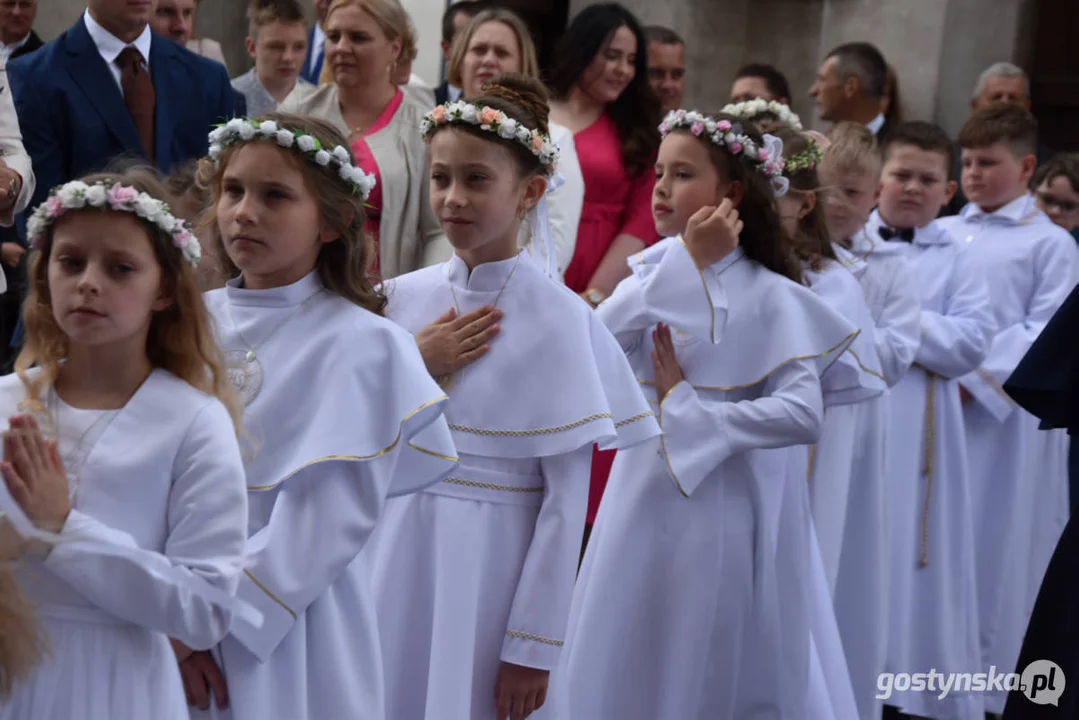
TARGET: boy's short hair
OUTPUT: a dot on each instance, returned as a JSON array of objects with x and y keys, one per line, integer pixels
[
  {"x": 924, "y": 136},
  {"x": 1001, "y": 124},
  {"x": 449, "y": 15},
  {"x": 662, "y": 35},
  {"x": 774, "y": 80},
  {"x": 263, "y": 12},
  {"x": 1061, "y": 165},
  {"x": 853, "y": 149}
]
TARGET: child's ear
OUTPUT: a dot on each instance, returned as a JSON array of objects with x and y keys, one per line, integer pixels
[
  {"x": 736, "y": 192},
  {"x": 327, "y": 234},
  {"x": 809, "y": 204},
  {"x": 1028, "y": 164},
  {"x": 165, "y": 299},
  {"x": 249, "y": 45},
  {"x": 535, "y": 189},
  {"x": 949, "y": 192},
  {"x": 876, "y": 195}
]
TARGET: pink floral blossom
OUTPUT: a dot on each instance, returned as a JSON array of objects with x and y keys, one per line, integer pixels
[
  {"x": 735, "y": 147},
  {"x": 488, "y": 116},
  {"x": 121, "y": 196},
  {"x": 54, "y": 206},
  {"x": 697, "y": 128},
  {"x": 723, "y": 125},
  {"x": 439, "y": 114}
]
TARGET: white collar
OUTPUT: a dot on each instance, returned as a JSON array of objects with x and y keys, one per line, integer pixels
[
  {"x": 453, "y": 93},
  {"x": 488, "y": 277},
  {"x": 931, "y": 234},
  {"x": 17, "y": 44},
  {"x": 109, "y": 46},
  {"x": 284, "y": 296},
  {"x": 318, "y": 39},
  {"x": 1020, "y": 210},
  {"x": 876, "y": 123}
]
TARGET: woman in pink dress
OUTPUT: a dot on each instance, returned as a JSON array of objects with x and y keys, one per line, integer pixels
[{"x": 601, "y": 91}]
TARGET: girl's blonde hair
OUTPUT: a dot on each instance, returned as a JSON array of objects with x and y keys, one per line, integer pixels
[
  {"x": 529, "y": 64},
  {"x": 853, "y": 149},
  {"x": 390, "y": 16},
  {"x": 181, "y": 336},
  {"x": 23, "y": 642},
  {"x": 343, "y": 265}
]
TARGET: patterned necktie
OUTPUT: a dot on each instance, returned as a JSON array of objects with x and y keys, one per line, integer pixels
[
  {"x": 905, "y": 234},
  {"x": 138, "y": 95}
]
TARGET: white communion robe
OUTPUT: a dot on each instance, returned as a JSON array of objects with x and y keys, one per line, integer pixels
[
  {"x": 854, "y": 379},
  {"x": 934, "y": 609},
  {"x": 157, "y": 522},
  {"x": 863, "y": 585},
  {"x": 692, "y": 601},
  {"x": 1018, "y": 473},
  {"x": 346, "y": 417},
  {"x": 479, "y": 569}
]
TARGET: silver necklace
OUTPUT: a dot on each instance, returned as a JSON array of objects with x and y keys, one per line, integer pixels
[
  {"x": 447, "y": 381},
  {"x": 243, "y": 366},
  {"x": 73, "y": 465}
]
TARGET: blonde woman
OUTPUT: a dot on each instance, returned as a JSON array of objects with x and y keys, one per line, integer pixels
[
  {"x": 496, "y": 42},
  {"x": 365, "y": 40}
]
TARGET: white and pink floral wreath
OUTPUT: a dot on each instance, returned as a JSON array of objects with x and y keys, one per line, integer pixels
[
  {"x": 486, "y": 118},
  {"x": 77, "y": 195},
  {"x": 728, "y": 135}
]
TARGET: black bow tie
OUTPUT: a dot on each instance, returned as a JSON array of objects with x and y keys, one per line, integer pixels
[{"x": 906, "y": 234}]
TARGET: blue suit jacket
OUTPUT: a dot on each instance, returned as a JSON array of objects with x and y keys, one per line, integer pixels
[
  {"x": 309, "y": 73},
  {"x": 74, "y": 120}
]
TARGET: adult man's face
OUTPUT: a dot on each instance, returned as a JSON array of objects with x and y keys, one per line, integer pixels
[
  {"x": 174, "y": 19},
  {"x": 749, "y": 88},
  {"x": 1010, "y": 90},
  {"x": 16, "y": 19},
  {"x": 829, "y": 91},
  {"x": 460, "y": 22},
  {"x": 667, "y": 73},
  {"x": 126, "y": 19},
  {"x": 321, "y": 8}
]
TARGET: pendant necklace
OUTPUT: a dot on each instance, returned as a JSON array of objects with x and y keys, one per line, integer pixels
[
  {"x": 447, "y": 381},
  {"x": 243, "y": 366}
]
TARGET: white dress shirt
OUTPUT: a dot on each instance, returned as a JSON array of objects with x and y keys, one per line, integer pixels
[
  {"x": 7, "y": 50},
  {"x": 109, "y": 46},
  {"x": 876, "y": 124},
  {"x": 318, "y": 47}
]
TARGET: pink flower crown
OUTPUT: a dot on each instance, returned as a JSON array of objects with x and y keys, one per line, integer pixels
[
  {"x": 77, "y": 195},
  {"x": 728, "y": 135}
]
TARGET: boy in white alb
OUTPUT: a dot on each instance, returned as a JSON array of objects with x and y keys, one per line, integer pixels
[
  {"x": 851, "y": 169},
  {"x": 1019, "y": 478},
  {"x": 933, "y": 619}
]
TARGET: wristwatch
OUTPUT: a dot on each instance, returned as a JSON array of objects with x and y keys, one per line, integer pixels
[{"x": 595, "y": 296}]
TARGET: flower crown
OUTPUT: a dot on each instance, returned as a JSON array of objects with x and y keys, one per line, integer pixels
[
  {"x": 494, "y": 121},
  {"x": 241, "y": 130},
  {"x": 805, "y": 160},
  {"x": 77, "y": 195},
  {"x": 753, "y": 108},
  {"x": 728, "y": 135}
]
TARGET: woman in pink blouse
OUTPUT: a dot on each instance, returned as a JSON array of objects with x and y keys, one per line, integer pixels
[
  {"x": 601, "y": 91},
  {"x": 600, "y": 85}
]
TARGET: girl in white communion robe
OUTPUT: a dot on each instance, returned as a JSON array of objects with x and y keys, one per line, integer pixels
[
  {"x": 474, "y": 576},
  {"x": 340, "y": 415},
  {"x": 120, "y": 458},
  {"x": 695, "y": 584}
]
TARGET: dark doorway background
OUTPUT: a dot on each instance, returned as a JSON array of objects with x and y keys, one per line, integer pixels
[{"x": 1055, "y": 79}]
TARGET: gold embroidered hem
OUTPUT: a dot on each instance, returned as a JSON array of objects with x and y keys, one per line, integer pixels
[
  {"x": 273, "y": 597},
  {"x": 493, "y": 486},
  {"x": 533, "y": 638}
]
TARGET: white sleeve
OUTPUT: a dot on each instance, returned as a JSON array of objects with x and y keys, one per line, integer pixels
[
  {"x": 540, "y": 610},
  {"x": 207, "y": 521},
  {"x": 700, "y": 434},
  {"x": 564, "y": 204},
  {"x": 955, "y": 341},
  {"x": 899, "y": 329}
]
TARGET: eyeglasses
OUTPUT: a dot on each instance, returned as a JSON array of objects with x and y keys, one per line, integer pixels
[{"x": 1064, "y": 206}]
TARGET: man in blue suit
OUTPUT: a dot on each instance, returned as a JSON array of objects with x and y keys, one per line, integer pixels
[
  {"x": 316, "y": 44},
  {"x": 109, "y": 88}
]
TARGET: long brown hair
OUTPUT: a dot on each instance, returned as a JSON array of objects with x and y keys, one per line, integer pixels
[
  {"x": 181, "y": 336},
  {"x": 343, "y": 264},
  {"x": 813, "y": 243},
  {"x": 23, "y": 642}
]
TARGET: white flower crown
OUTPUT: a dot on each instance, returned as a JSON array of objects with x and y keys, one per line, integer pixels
[
  {"x": 241, "y": 130},
  {"x": 759, "y": 106},
  {"x": 728, "y": 135},
  {"x": 77, "y": 195},
  {"x": 495, "y": 121}
]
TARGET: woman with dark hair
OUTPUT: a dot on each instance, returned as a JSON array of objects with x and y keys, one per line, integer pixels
[{"x": 601, "y": 93}]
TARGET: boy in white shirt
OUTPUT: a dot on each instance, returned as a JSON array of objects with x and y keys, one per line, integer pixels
[
  {"x": 934, "y": 607},
  {"x": 1019, "y": 477}
]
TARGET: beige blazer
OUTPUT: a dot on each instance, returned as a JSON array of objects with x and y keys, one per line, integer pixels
[
  {"x": 12, "y": 151},
  {"x": 408, "y": 225}
]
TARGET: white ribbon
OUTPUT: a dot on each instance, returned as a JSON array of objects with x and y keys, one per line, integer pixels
[
  {"x": 540, "y": 226},
  {"x": 10, "y": 510}
]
